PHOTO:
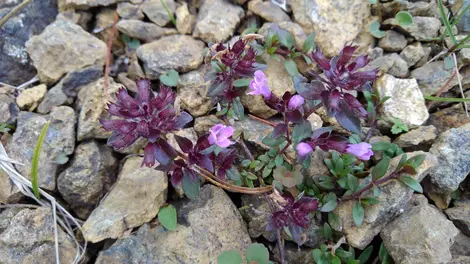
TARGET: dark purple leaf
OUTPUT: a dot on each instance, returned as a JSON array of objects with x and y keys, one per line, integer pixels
[
  {"x": 320, "y": 59},
  {"x": 355, "y": 105},
  {"x": 294, "y": 116},
  {"x": 296, "y": 232},
  {"x": 149, "y": 155},
  {"x": 176, "y": 177},
  {"x": 205, "y": 162},
  {"x": 348, "y": 120},
  {"x": 183, "y": 120},
  {"x": 280, "y": 129},
  {"x": 321, "y": 131},
  {"x": 185, "y": 144}
]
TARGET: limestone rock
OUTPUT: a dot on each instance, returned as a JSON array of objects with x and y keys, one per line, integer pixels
[
  {"x": 460, "y": 215},
  {"x": 129, "y": 11},
  {"x": 104, "y": 21},
  {"x": 423, "y": 235},
  {"x": 447, "y": 118},
  {"x": 254, "y": 131},
  {"x": 184, "y": 20},
  {"x": 422, "y": 27},
  {"x": 59, "y": 141},
  {"x": 461, "y": 246},
  {"x": 406, "y": 102},
  {"x": 179, "y": 52},
  {"x": 204, "y": 123},
  {"x": 390, "y": 64},
  {"x": 64, "y": 47},
  {"x": 217, "y": 20},
  {"x": 192, "y": 90},
  {"x": 8, "y": 109},
  {"x": 206, "y": 227},
  {"x": 256, "y": 105},
  {"x": 423, "y": 135},
  {"x": 157, "y": 13},
  {"x": 268, "y": 11},
  {"x": 413, "y": 53},
  {"x": 142, "y": 30},
  {"x": 86, "y": 4},
  {"x": 393, "y": 41},
  {"x": 293, "y": 28},
  {"x": 30, "y": 98},
  {"x": 88, "y": 177},
  {"x": 134, "y": 200}
]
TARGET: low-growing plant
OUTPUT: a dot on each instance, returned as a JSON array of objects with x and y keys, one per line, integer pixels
[{"x": 297, "y": 197}]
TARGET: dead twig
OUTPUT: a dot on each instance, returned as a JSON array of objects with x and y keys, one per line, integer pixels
[
  {"x": 108, "y": 57},
  {"x": 14, "y": 11},
  {"x": 459, "y": 79}
]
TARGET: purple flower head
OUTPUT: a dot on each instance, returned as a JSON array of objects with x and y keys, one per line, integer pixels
[
  {"x": 295, "y": 102},
  {"x": 325, "y": 139},
  {"x": 259, "y": 85},
  {"x": 220, "y": 134},
  {"x": 362, "y": 150},
  {"x": 304, "y": 149},
  {"x": 147, "y": 115}
]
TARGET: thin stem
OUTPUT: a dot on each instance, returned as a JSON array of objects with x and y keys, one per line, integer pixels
[
  {"x": 443, "y": 89},
  {"x": 311, "y": 111},
  {"x": 108, "y": 57},
  {"x": 14, "y": 11},
  {"x": 460, "y": 82},
  {"x": 281, "y": 246},
  {"x": 262, "y": 120},
  {"x": 371, "y": 130}
]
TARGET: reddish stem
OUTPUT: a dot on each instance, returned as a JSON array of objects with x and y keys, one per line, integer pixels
[{"x": 262, "y": 120}]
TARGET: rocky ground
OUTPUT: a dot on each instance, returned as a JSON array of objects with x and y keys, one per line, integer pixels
[{"x": 64, "y": 43}]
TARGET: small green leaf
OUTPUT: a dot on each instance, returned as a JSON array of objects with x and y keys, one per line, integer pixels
[
  {"x": 411, "y": 182},
  {"x": 376, "y": 191},
  {"x": 233, "y": 174},
  {"x": 61, "y": 158},
  {"x": 343, "y": 254},
  {"x": 279, "y": 160},
  {"x": 266, "y": 172},
  {"x": 334, "y": 221},
  {"x": 369, "y": 200},
  {"x": 374, "y": 29},
  {"x": 399, "y": 126},
  {"x": 449, "y": 62},
  {"x": 380, "y": 169},
  {"x": 373, "y": 2},
  {"x": 352, "y": 182},
  {"x": 35, "y": 160},
  {"x": 257, "y": 253},
  {"x": 242, "y": 82},
  {"x": 301, "y": 131},
  {"x": 170, "y": 79},
  {"x": 402, "y": 162},
  {"x": 404, "y": 18},
  {"x": 246, "y": 163},
  {"x": 358, "y": 213},
  {"x": 167, "y": 217},
  {"x": 384, "y": 257},
  {"x": 335, "y": 260},
  {"x": 317, "y": 254},
  {"x": 238, "y": 108},
  {"x": 416, "y": 161},
  {"x": 309, "y": 43},
  {"x": 285, "y": 38},
  {"x": 365, "y": 255},
  {"x": 191, "y": 188},
  {"x": 330, "y": 204},
  {"x": 229, "y": 257},
  {"x": 291, "y": 67},
  {"x": 133, "y": 44},
  {"x": 250, "y": 30},
  {"x": 327, "y": 232},
  {"x": 381, "y": 146}
]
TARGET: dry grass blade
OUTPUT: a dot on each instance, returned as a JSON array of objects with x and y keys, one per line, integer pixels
[{"x": 460, "y": 82}]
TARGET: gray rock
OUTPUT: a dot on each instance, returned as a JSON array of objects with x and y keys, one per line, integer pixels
[
  {"x": 31, "y": 20},
  {"x": 88, "y": 177},
  {"x": 254, "y": 131},
  {"x": 375, "y": 53},
  {"x": 334, "y": 22},
  {"x": 464, "y": 23},
  {"x": 463, "y": 56},
  {"x": 460, "y": 215},
  {"x": 129, "y": 11},
  {"x": 392, "y": 64},
  {"x": 268, "y": 11},
  {"x": 293, "y": 28},
  {"x": 86, "y": 4},
  {"x": 406, "y": 102},
  {"x": 192, "y": 90},
  {"x": 256, "y": 105},
  {"x": 30, "y": 98},
  {"x": 422, "y": 235},
  {"x": 393, "y": 41},
  {"x": 157, "y": 13},
  {"x": 142, "y": 30},
  {"x": 206, "y": 227},
  {"x": 8, "y": 109},
  {"x": 294, "y": 255},
  {"x": 394, "y": 199},
  {"x": 423, "y": 135},
  {"x": 461, "y": 246},
  {"x": 29, "y": 238},
  {"x": 179, "y": 52},
  {"x": 427, "y": 8},
  {"x": 59, "y": 141},
  {"x": 422, "y": 27},
  {"x": 64, "y": 47},
  {"x": 217, "y": 20},
  {"x": 454, "y": 165},
  {"x": 134, "y": 200},
  {"x": 413, "y": 53},
  {"x": 447, "y": 118},
  {"x": 92, "y": 107},
  {"x": 6, "y": 215},
  {"x": 68, "y": 87},
  {"x": 184, "y": 20},
  {"x": 460, "y": 260},
  {"x": 204, "y": 123}
]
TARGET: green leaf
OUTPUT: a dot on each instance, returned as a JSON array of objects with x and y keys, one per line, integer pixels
[
  {"x": 167, "y": 217},
  {"x": 238, "y": 108},
  {"x": 35, "y": 160},
  {"x": 449, "y": 62},
  {"x": 402, "y": 162},
  {"x": 266, "y": 172},
  {"x": 381, "y": 146},
  {"x": 246, "y": 163},
  {"x": 373, "y": 2},
  {"x": 343, "y": 254},
  {"x": 250, "y": 30},
  {"x": 229, "y": 257},
  {"x": 411, "y": 182},
  {"x": 365, "y": 255},
  {"x": 446, "y": 99},
  {"x": 374, "y": 29},
  {"x": 285, "y": 38},
  {"x": 233, "y": 174},
  {"x": 301, "y": 131},
  {"x": 242, "y": 82},
  {"x": 335, "y": 260},
  {"x": 352, "y": 182},
  {"x": 61, "y": 158},
  {"x": 446, "y": 21},
  {"x": 170, "y": 14},
  {"x": 257, "y": 253},
  {"x": 191, "y": 188},
  {"x": 384, "y": 257},
  {"x": 416, "y": 161},
  {"x": 133, "y": 44},
  {"x": 376, "y": 191},
  {"x": 309, "y": 43},
  {"x": 279, "y": 160},
  {"x": 369, "y": 200},
  {"x": 330, "y": 203},
  {"x": 399, "y": 126},
  {"x": 334, "y": 221},
  {"x": 317, "y": 254},
  {"x": 291, "y": 67},
  {"x": 380, "y": 169},
  {"x": 326, "y": 184},
  {"x": 327, "y": 232},
  {"x": 404, "y": 18},
  {"x": 170, "y": 79},
  {"x": 358, "y": 213}
]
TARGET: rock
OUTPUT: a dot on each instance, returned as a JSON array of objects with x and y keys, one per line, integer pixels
[
  {"x": 6, "y": 215},
  {"x": 256, "y": 212},
  {"x": 179, "y": 52},
  {"x": 254, "y": 131},
  {"x": 204, "y": 123},
  {"x": 86, "y": 4},
  {"x": 31, "y": 20},
  {"x": 68, "y": 87},
  {"x": 88, "y": 177},
  {"x": 374, "y": 139},
  {"x": 394, "y": 199},
  {"x": 454, "y": 165},
  {"x": 463, "y": 56},
  {"x": 59, "y": 141},
  {"x": 461, "y": 245},
  {"x": 64, "y": 47},
  {"x": 92, "y": 108},
  {"x": 413, "y": 53},
  {"x": 256, "y": 105},
  {"x": 447, "y": 118},
  {"x": 406, "y": 101},
  {"x": 294, "y": 255},
  {"x": 217, "y": 20},
  {"x": 426, "y": 8},
  {"x": 390, "y": 64},
  {"x": 142, "y": 30},
  {"x": 192, "y": 90},
  {"x": 188, "y": 133},
  {"x": 334, "y": 22},
  {"x": 422, "y": 27},
  {"x": 375, "y": 53},
  {"x": 206, "y": 227},
  {"x": 184, "y": 20},
  {"x": 9, "y": 193},
  {"x": 460, "y": 215},
  {"x": 422, "y": 235},
  {"x": 393, "y": 41},
  {"x": 104, "y": 21},
  {"x": 29, "y": 238},
  {"x": 8, "y": 109},
  {"x": 268, "y": 11},
  {"x": 423, "y": 135},
  {"x": 315, "y": 120},
  {"x": 129, "y": 11},
  {"x": 293, "y": 28},
  {"x": 30, "y": 98},
  {"x": 464, "y": 23},
  {"x": 432, "y": 76},
  {"x": 460, "y": 260},
  {"x": 157, "y": 13},
  {"x": 135, "y": 199}
]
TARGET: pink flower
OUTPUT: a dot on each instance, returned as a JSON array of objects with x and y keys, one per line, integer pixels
[
  {"x": 259, "y": 85},
  {"x": 295, "y": 102},
  {"x": 220, "y": 134},
  {"x": 362, "y": 150},
  {"x": 303, "y": 149}
]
